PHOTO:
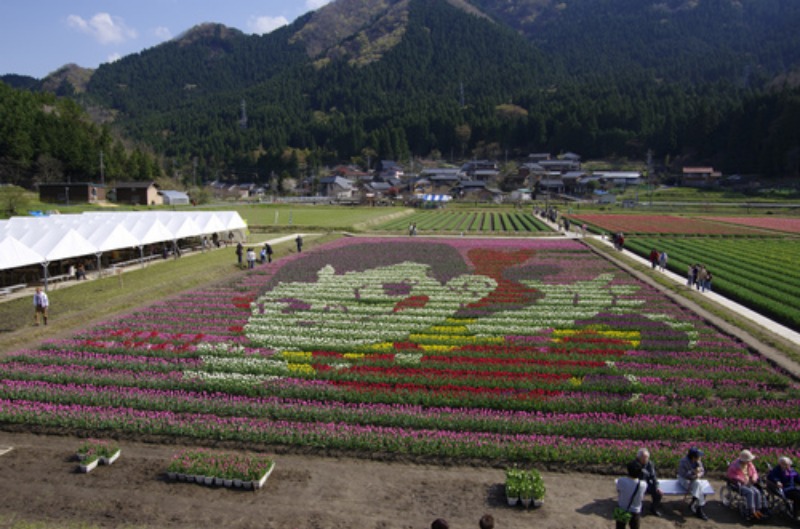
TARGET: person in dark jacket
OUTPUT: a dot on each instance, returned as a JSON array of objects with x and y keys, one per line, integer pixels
[{"x": 646, "y": 469}]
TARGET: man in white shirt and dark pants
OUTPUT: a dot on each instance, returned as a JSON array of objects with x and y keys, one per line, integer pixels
[{"x": 40, "y": 305}]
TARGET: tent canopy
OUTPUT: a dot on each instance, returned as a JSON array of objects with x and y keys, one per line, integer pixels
[{"x": 30, "y": 240}]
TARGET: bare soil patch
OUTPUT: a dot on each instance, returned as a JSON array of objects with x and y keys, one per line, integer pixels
[{"x": 40, "y": 484}]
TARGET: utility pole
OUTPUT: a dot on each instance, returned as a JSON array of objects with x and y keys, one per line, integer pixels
[{"x": 650, "y": 174}]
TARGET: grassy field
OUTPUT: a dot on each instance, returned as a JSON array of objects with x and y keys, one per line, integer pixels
[{"x": 325, "y": 217}]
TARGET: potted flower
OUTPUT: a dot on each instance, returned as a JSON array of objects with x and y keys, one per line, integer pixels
[
  {"x": 526, "y": 486},
  {"x": 248, "y": 471},
  {"x": 537, "y": 487},
  {"x": 89, "y": 462},
  {"x": 513, "y": 485},
  {"x": 106, "y": 451}
]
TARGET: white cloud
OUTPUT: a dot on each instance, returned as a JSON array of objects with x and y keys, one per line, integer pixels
[
  {"x": 114, "y": 57},
  {"x": 316, "y": 4},
  {"x": 162, "y": 33},
  {"x": 103, "y": 27},
  {"x": 261, "y": 25}
]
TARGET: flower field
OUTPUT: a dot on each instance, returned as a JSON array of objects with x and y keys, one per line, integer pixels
[
  {"x": 516, "y": 351},
  {"x": 763, "y": 273},
  {"x": 486, "y": 222},
  {"x": 789, "y": 225},
  {"x": 662, "y": 224}
]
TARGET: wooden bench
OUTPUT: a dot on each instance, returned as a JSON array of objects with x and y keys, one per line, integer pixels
[{"x": 12, "y": 288}]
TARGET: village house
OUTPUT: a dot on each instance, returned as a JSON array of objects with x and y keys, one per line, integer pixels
[
  {"x": 138, "y": 193},
  {"x": 72, "y": 193},
  {"x": 700, "y": 177}
]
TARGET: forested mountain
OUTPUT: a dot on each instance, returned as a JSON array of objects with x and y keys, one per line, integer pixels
[
  {"x": 48, "y": 139},
  {"x": 701, "y": 81}
]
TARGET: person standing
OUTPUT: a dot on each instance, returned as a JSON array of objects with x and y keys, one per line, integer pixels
[
  {"x": 690, "y": 470},
  {"x": 299, "y": 242},
  {"x": 646, "y": 470},
  {"x": 702, "y": 277},
  {"x": 40, "y": 305},
  {"x": 662, "y": 260},
  {"x": 631, "y": 492},
  {"x": 268, "y": 249},
  {"x": 239, "y": 253},
  {"x": 251, "y": 258}
]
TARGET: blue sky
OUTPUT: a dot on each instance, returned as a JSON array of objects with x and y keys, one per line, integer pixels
[{"x": 39, "y": 36}]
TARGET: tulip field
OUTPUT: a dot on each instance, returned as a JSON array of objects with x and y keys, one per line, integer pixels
[
  {"x": 762, "y": 273},
  {"x": 472, "y": 222},
  {"x": 533, "y": 350},
  {"x": 664, "y": 224}
]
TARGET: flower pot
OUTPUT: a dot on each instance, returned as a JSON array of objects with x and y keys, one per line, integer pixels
[
  {"x": 172, "y": 476},
  {"x": 237, "y": 483},
  {"x": 88, "y": 467},
  {"x": 110, "y": 459},
  {"x": 526, "y": 502},
  {"x": 227, "y": 482},
  {"x": 247, "y": 485},
  {"x": 219, "y": 482},
  {"x": 537, "y": 503},
  {"x": 257, "y": 484},
  {"x": 511, "y": 501},
  {"x": 208, "y": 480},
  {"x": 200, "y": 479}
]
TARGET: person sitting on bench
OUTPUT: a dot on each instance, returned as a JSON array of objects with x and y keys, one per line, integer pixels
[
  {"x": 690, "y": 470},
  {"x": 644, "y": 466}
]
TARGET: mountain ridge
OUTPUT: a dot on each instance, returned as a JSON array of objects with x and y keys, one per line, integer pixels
[{"x": 358, "y": 79}]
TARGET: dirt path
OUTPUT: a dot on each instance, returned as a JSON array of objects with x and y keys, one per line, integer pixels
[{"x": 40, "y": 484}]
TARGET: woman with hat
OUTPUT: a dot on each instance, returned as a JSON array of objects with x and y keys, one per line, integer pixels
[
  {"x": 690, "y": 470},
  {"x": 742, "y": 472},
  {"x": 785, "y": 481}
]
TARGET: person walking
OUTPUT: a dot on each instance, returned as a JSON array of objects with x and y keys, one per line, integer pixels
[
  {"x": 299, "y": 242},
  {"x": 653, "y": 258},
  {"x": 40, "y": 305},
  {"x": 268, "y": 250},
  {"x": 663, "y": 258},
  {"x": 702, "y": 277}
]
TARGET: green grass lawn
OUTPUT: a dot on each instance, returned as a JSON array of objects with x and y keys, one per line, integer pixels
[{"x": 327, "y": 217}]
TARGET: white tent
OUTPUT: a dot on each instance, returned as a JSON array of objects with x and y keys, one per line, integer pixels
[
  {"x": 15, "y": 254},
  {"x": 63, "y": 243},
  {"x": 59, "y": 237},
  {"x": 107, "y": 237},
  {"x": 150, "y": 231}
]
